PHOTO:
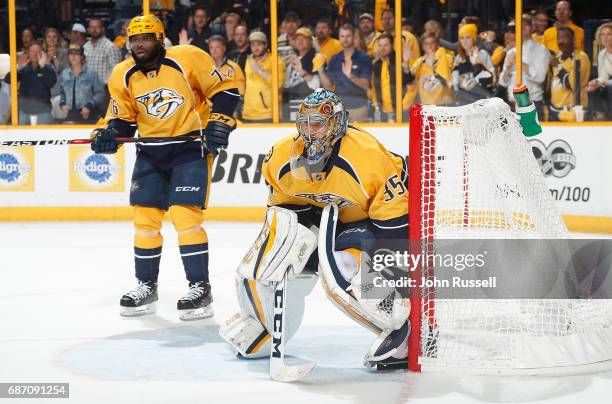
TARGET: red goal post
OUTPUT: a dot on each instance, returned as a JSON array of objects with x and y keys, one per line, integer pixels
[{"x": 458, "y": 158}]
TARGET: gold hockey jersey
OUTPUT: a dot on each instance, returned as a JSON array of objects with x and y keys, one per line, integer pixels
[
  {"x": 364, "y": 179},
  {"x": 164, "y": 101}
]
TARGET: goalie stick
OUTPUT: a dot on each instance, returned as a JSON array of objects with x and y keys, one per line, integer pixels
[
  {"x": 65, "y": 142},
  {"x": 279, "y": 370}
]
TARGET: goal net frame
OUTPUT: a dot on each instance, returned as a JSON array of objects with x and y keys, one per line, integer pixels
[{"x": 555, "y": 353}]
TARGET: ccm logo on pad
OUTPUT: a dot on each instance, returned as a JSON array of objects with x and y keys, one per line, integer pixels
[{"x": 187, "y": 189}]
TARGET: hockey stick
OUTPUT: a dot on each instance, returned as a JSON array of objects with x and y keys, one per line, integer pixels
[
  {"x": 279, "y": 370},
  {"x": 64, "y": 142}
]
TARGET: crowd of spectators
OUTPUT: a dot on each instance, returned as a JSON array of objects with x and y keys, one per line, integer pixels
[{"x": 62, "y": 75}]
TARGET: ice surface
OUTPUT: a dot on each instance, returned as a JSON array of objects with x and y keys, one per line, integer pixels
[{"x": 60, "y": 285}]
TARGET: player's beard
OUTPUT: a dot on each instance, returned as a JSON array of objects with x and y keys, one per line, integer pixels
[{"x": 148, "y": 59}]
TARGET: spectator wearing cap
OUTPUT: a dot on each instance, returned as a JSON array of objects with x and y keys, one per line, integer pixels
[
  {"x": 473, "y": 72},
  {"x": 326, "y": 45},
  {"x": 563, "y": 15},
  {"x": 229, "y": 70},
  {"x": 432, "y": 72},
  {"x": 535, "y": 66},
  {"x": 200, "y": 32},
  {"x": 301, "y": 74},
  {"x": 540, "y": 24},
  {"x": 570, "y": 77},
  {"x": 36, "y": 78},
  {"x": 240, "y": 48},
  {"x": 258, "y": 73},
  {"x": 366, "y": 27},
  {"x": 102, "y": 55},
  {"x": 81, "y": 93},
  {"x": 78, "y": 34},
  {"x": 600, "y": 88},
  {"x": 348, "y": 74},
  {"x": 289, "y": 26}
]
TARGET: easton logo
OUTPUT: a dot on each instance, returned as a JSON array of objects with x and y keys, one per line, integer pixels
[
  {"x": 557, "y": 159},
  {"x": 11, "y": 169},
  {"x": 161, "y": 103}
]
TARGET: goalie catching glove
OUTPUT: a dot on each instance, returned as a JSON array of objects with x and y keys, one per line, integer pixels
[
  {"x": 104, "y": 141},
  {"x": 217, "y": 131}
]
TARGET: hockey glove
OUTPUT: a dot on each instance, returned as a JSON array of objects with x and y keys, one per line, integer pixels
[
  {"x": 217, "y": 131},
  {"x": 104, "y": 141}
]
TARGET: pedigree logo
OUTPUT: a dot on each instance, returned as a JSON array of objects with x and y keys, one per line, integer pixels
[
  {"x": 16, "y": 169},
  {"x": 91, "y": 172}
]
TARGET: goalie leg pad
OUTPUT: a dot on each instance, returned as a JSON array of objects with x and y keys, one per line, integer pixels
[
  {"x": 282, "y": 245},
  {"x": 256, "y": 301},
  {"x": 246, "y": 336},
  {"x": 341, "y": 275}
]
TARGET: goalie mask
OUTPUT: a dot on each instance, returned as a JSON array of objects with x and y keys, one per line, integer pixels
[{"x": 321, "y": 121}]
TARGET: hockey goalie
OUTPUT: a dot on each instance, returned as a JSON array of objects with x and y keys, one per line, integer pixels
[{"x": 335, "y": 193}]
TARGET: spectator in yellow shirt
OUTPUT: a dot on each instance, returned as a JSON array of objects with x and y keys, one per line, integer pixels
[
  {"x": 563, "y": 14},
  {"x": 432, "y": 72},
  {"x": 327, "y": 45},
  {"x": 258, "y": 72}
]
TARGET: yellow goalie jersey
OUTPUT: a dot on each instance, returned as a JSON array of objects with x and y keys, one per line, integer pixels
[{"x": 364, "y": 179}]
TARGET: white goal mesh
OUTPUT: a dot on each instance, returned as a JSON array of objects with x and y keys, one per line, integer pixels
[{"x": 473, "y": 176}]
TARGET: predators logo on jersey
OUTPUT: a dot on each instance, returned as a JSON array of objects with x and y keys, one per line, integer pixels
[
  {"x": 326, "y": 199},
  {"x": 161, "y": 103}
]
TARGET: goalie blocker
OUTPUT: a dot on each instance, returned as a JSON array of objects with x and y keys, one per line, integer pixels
[{"x": 283, "y": 248}]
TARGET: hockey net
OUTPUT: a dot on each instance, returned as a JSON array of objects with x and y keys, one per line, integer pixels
[{"x": 473, "y": 176}]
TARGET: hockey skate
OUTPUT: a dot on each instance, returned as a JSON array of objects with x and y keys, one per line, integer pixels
[
  {"x": 196, "y": 304},
  {"x": 140, "y": 300}
]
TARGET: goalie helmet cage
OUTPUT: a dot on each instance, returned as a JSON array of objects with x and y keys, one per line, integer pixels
[{"x": 460, "y": 158}]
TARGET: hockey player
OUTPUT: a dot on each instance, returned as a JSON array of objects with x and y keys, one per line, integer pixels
[
  {"x": 341, "y": 180},
  {"x": 167, "y": 92}
]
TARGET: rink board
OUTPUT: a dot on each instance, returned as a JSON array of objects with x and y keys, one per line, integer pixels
[{"x": 71, "y": 183}]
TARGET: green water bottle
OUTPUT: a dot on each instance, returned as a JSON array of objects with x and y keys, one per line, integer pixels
[{"x": 526, "y": 111}]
